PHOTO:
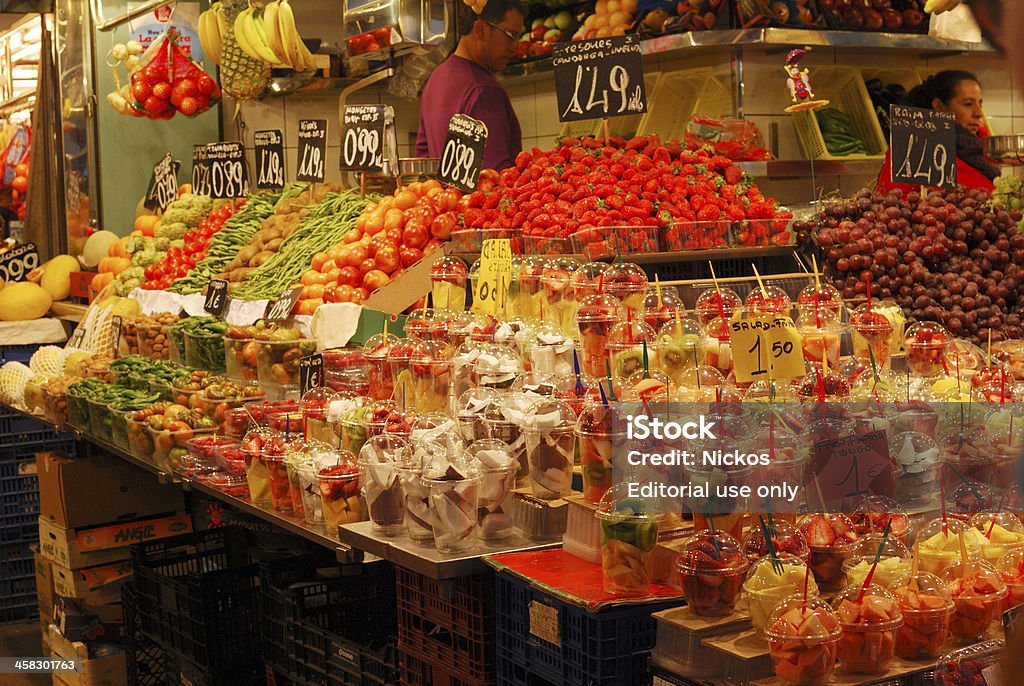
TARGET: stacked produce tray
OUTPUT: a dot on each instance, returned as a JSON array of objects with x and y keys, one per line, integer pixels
[
  {"x": 145, "y": 659},
  {"x": 328, "y": 624},
  {"x": 198, "y": 596},
  {"x": 446, "y": 623}
]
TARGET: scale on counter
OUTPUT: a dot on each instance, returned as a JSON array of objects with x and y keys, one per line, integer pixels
[
  {"x": 372, "y": 27},
  {"x": 1005, "y": 150}
]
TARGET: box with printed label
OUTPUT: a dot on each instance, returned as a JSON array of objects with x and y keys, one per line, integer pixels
[
  {"x": 102, "y": 671},
  {"x": 102, "y": 545},
  {"x": 95, "y": 585},
  {"x": 100, "y": 490},
  {"x": 44, "y": 582}
]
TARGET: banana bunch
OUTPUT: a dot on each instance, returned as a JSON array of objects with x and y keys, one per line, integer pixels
[
  {"x": 213, "y": 24},
  {"x": 271, "y": 36}
]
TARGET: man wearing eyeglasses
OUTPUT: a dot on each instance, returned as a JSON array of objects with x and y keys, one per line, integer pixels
[{"x": 465, "y": 83}]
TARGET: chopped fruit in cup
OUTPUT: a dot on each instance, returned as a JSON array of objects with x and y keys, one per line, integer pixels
[
  {"x": 376, "y": 352},
  {"x": 872, "y": 334},
  {"x": 712, "y": 568},
  {"x": 939, "y": 548},
  {"x": 770, "y": 300},
  {"x": 275, "y": 451},
  {"x": 925, "y": 343},
  {"x": 1011, "y": 570},
  {"x": 834, "y": 385},
  {"x": 822, "y": 342},
  {"x": 821, "y": 302},
  {"x": 629, "y": 535},
  {"x": 892, "y": 564},
  {"x": 382, "y": 489},
  {"x": 625, "y": 348},
  {"x": 802, "y": 640},
  {"x": 679, "y": 348},
  {"x": 1003, "y": 531},
  {"x": 786, "y": 538},
  {"x": 659, "y": 313},
  {"x": 765, "y": 587},
  {"x": 627, "y": 282},
  {"x": 715, "y": 304},
  {"x": 869, "y": 624},
  {"x": 969, "y": 666},
  {"x": 339, "y": 488},
  {"x": 830, "y": 537},
  {"x": 595, "y": 317},
  {"x": 717, "y": 344},
  {"x": 873, "y": 513},
  {"x": 596, "y": 435},
  {"x": 927, "y": 608},
  {"x": 449, "y": 276},
  {"x": 978, "y": 598}
]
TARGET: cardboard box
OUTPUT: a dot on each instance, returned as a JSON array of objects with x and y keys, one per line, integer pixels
[
  {"x": 104, "y": 671},
  {"x": 44, "y": 583},
  {"x": 399, "y": 294},
  {"x": 95, "y": 585},
  {"x": 91, "y": 547},
  {"x": 100, "y": 490},
  {"x": 80, "y": 621}
]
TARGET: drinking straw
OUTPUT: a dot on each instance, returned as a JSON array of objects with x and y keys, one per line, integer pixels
[
  {"x": 817, "y": 280},
  {"x": 942, "y": 503},
  {"x": 647, "y": 372},
  {"x": 915, "y": 563},
  {"x": 999, "y": 509},
  {"x": 629, "y": 326},
  {"x": 604, "y": 398},
  {"x": 867, "y": 279},
  {"x": 968, "y": 567},
  {"x": 657, "y": 290},
  {"x": 807, "y": 574},
  {"x": 608, "y": 372},
  {"x": 772, "y": 554},
  {"x": 714, "y": 537},
  {"x": 580, "y": 390},
  {"x": 385, "y": 330},
  {"x": 760, "y": 283}
]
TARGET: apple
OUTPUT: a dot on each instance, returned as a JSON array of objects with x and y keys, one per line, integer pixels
[{"x": 552, "y": 35}]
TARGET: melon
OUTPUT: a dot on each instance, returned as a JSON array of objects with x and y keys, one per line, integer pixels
[
  {"x": 97, "y": 247},
  {"x": 23, "y": 300},
  {"x": 48, "y": 360},
  {"x": 57, "y": 276},
  {"x": 13, "y": 378}
]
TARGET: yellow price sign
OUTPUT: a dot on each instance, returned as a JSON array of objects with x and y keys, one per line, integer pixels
[
  {"x": 766, "y": 347},
  {"x": 492, "y": 281}
]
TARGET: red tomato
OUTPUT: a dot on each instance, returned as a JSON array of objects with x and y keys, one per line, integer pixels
[
  {"x": 415, "y": 235},
  {"x": 359, "y": 295},
  {"x": 318, "y": 260},
  {"x": 393, "y": 219},
  {"x": 394, "y": 235},
  {"x": 355, "y": 254},
  {"x": 331, "y": 294},
  {"x": 21, "y": 169},
  {"x": 377, "y": 242},
  {"x": 345, "y": 294},
  {"x": 387, "y": 259},
  {"x": 374, "y": 222},
  {"x": 374, "y": 279},
  {"x": 405, "y": 199},
  {"x": 409, "y": 256},
  {"x": 349, "y": 276},
  {"x": 366, "y": 266},
  {"x": 443, "y": 226},
  {"x": 314, "y": 291},
  {"x": 447, "y": 200}
]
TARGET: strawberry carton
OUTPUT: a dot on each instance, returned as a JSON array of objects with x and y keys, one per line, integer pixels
[
  {"x": 712, "y": 569},
  {"x": 831, "y": 538},
  {"x": 978, "y": 595},
  {"x": 927, "y": 608},
  {"x": 870, "y": 619},
  {"x": 803, "y": 636}
]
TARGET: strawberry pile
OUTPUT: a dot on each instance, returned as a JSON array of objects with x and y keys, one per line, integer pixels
[{"x": 654, "y": 191}]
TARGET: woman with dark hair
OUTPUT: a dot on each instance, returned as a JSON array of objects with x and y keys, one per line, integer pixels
[
  {"x": 959, "y": 93},
  {"x": 465, "y": 83}
]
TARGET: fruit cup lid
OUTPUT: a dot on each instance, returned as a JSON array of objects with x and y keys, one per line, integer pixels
[
  {"x": 625, "y": 277},
  {"x": 999, "y": 524},
  {"x": 787, "y": 539},
  {"x": 549, "y": 414},
  {"x": 932, "y": 540},
  {"x": 628, "y": 334},
  {"x": 448, "y": 266},
  {"x": 864, "y": 319},
  {"x": 712, "y": 553},
  {"x": 772, "y": 299},
  {"x": 617, "y": 504},
  {"x": 965, "y": 665},
  {"x": 928, "y": 593},
  {"x": 492, "y": 455},
  {"x": 669, "y": 298},
  {"x": 673, "y": 330},
  {"x": 707, "y": 302},
  {"x": 867, "y": 547},
  {"x": 599, "y": 307},
  {"x": 878, "y": 609},
  {"x": 982, "y": 582},
  {"x": 828, "y": 530},
  {"x": 810, "y": 620},
  {"x": 378, "y": 346}
]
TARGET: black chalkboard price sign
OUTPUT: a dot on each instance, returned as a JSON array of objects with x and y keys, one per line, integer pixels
[
  {"x": 281, "y": 309},
  {"x": 312, "y": 150},
  {"x": 363, "y": 136},
  {"x": 311, "y": 373},
  {"x": 216, "y": 297},
  {"x": 269, "y": 146},
  {"x": 163, "y": 184},
  {"x": 923, "y": 146},
  {"x": 463, "y": 153},
  {"x": 219, "y": 170},
  {"x": 598, "y": 78}
]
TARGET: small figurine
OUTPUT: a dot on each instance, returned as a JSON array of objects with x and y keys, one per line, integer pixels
[{"x": 799, "y": 84}]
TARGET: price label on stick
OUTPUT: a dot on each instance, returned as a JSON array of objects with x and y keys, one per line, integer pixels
[
  {"x": 78, "y": 337},
  {"x": 16, "y": 263},
  {"x": 115, "y": 333},
  {"x": 923, "y": 146},
  {"x": 163, "y": 185},
  {"x": 219, "y": 170},
  {"x": 363, "y": 137},
  {"x": 849, "y": 466},
  {"x": 494, "y": 276},
  {"x": 312, "y": 150},
  {"x": 765, "y": 347},
  {"x": 216, "y": 297},
  {"x": 463, "y": 153},
  {"x": 269, "y": 145},
  {"x": 280, "y": 309},
  {"x": 311, "y": 373},
  {"x": 598, "y": 78}
]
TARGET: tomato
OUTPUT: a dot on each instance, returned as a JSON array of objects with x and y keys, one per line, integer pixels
[
  {"x": 311, "y": 278},
  {"x": 336, "y": 253},
  {"x": 443, "y": 226},
  {"x": 394, "y": 235},
  {"x": 350, "y": 276},
  {"x": 355, "y": 254},
  {"x": 431, "y": 246},
  {"x": 415, "y": 235},
  {"x": 21, "y": 169},
  {"x": 432, "y": 184},
  {"x": 333, "y": 275},
  {"x": 331, "y": 294},
  {"x": 318, "y": 260},
  {"x": 393, "y": 219},
  {"x": 405, "y": 199},
  {"x": 366, "y": 266},
  {"x": 20, "y": 184},
  {"x": 344, "y": 294},
  {"x": 308, "y": 307},
  {"x": 314, "y": 291},
  {"x": 387, "y": 259},
  {"x": 409, "y": 256},
  {"x": 377, "y": 242},
  {"x": 359, "y": 295},
  {"x": 353, "y": 236},
  {"x": 424, "y": 213},
  {"x": 447, "y": 200},
  {"x": 374, "y": 279}
]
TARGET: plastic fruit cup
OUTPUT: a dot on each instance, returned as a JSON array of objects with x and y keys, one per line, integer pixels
[
  {"x": 978, "y": 598},
  {"x": 379, "y": 461},
  {"x": 927, "y": 609},
  {"x": 375, "y": 352},
  {"x": 277, "y": 472},
  {"x": 869, "y": 629},
  {"x": 729, "y": 522},
  {"x": 821, "y": 342},
  {"x": 309, "y": 491},
  {"x": 628, "y": 539},
  {"x": 765, "y": 588},
  {"x": 710, "y": 307},
  {"x": 627, "y": 357},
  {"x": 259, "y": 479},
  {"x": 418, "y": 519},
  {"x": 229, "y": 484},
  {"x": 292, "y": 465},
  {"x": 278, "y": 361},
  {"x": 803, "y": 641},
  {"x": 240, "y": 355},
  {"x": 627, "y": 282},
  {"x": 717, "y": 344},
  {"x": 596, "y": 441},
  {"x": 140, "y": 439},
  {"x": 453, "y": 511},
  {"x": 926, "y": 343},
  {"x": 786, "y": 539},
  {"x": 872, "y": 335},
  {"x": 595, "y": 317},
  {"x": 431, "y": 381},
  {"x": 712, "y": 569},
  {"x": 339, "y": 489},
  {"x": 550, "y": 455},
  {"x": 937, "y": 550}
]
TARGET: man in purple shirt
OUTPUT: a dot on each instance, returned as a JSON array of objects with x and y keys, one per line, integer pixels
[{"x": 465, "y": 83}]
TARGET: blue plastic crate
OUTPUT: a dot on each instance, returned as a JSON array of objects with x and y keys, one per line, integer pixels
[
  {"x": 610, "y": 646},
  {"x": 14, "y": 424},
  {"x": 25, "y": 446},
  {"x": 17, "y": 353},
  {"x": 19, "y": 529}
]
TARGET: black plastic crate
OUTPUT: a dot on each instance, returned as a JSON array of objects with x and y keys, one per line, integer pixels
[
  {"x": 13, "y": 424},
  {"x": 19, "y": 609},
  {"x": 368, "y": 665},
  {"x": 419, "y": 670},
  {"x": 180, "y": 671},
  {"x": 25, "y": 446},
  {"x": 144, "y": 657},
  {"x": 16, "y": 559},
  {"x": 199, "y": 596}
]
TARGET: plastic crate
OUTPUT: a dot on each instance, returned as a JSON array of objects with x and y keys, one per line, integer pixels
[
  {"x": 17, "y": 609},
  {"x": 144, "y": 657},
  {"x": 680, "y": 95},
  {"x": 419, "y": 670},
  {"x": 16, "y": 559},
  {"x": 17, "y": 353},
  {"x": 25, "y": 446},
  {"x": 610, "y": 646},
  {"x": 13, "y": 424},
  {"x": 200, "y": 597},
  {"x": 452, "y": 624},
  {"x": 181, "y": 671},
  {"x": 845, "y": 90},
  {"x": 625, "y": 126}
]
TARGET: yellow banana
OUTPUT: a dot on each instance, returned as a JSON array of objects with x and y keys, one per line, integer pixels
[
  {"x": 209, "y": 37},
  {"x": 250, "y": 37},
  {"x": 260, "y": 44},
  {"x": 273, "y": 31},
  {"x": 290, "y": 38},
  {"x": 220, "y": 14}
]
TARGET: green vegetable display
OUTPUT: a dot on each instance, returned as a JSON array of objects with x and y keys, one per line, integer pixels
[
  {"x": 839, "y": 137},
  {"x": 232, "y": 237},
  {"x": 204, "y": 342},
  {"x": 188, "y": 210},
  {"x": 324, "y": 227}
]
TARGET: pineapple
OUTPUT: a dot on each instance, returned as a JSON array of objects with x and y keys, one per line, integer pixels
[{"x": 241, "y": 76}]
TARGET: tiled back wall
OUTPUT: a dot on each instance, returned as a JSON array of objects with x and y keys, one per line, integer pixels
[{"x": 764, "y": 97}]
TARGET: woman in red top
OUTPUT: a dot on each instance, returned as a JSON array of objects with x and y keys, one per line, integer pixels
[{"x": 960, "y": 93}]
